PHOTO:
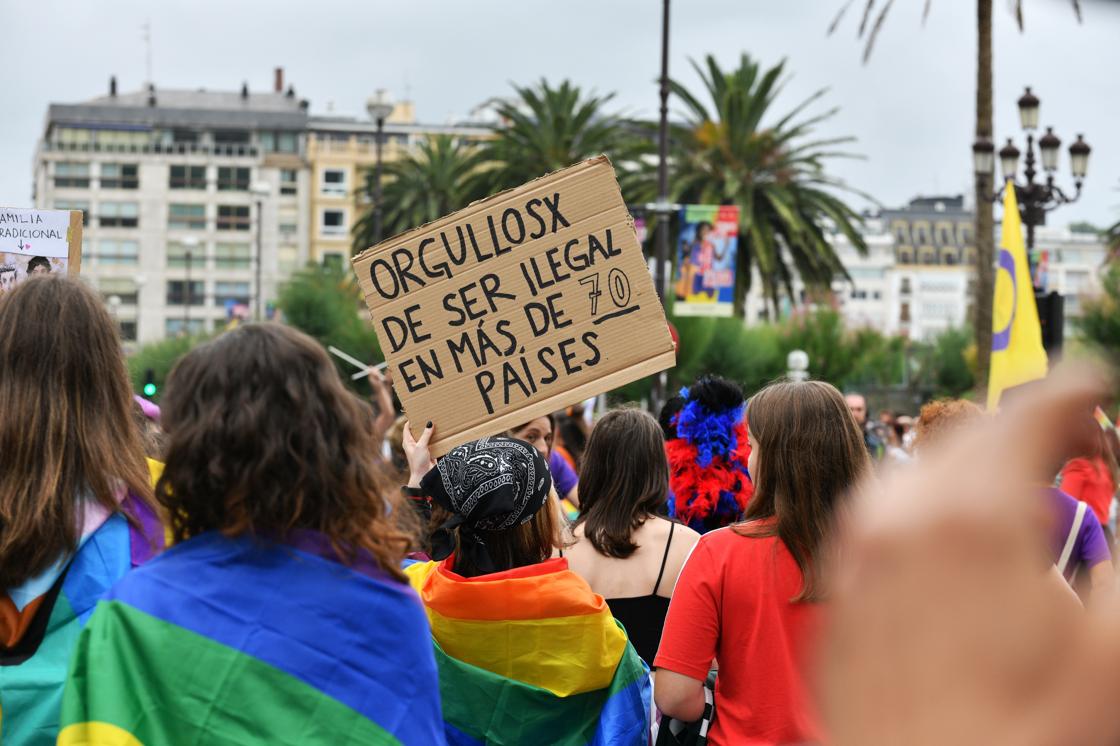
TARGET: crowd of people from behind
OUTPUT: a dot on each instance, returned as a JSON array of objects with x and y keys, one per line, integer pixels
[{"x": 266, "y": 558}]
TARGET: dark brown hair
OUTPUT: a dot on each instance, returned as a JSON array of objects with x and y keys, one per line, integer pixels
[
  {"x": 624, "y": 480},
  {"x": 527, "y": 544},
  {"x": 263, "y": 438},
  {"x": 811, "y": 454},
  {"x": 66, "y": 427}
]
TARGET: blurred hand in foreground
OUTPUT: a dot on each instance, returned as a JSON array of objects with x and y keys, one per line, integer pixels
[{"x": 948, "y": 624}]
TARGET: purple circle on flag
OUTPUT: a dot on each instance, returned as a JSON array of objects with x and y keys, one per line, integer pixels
[{"x": 1001, "y": 339}]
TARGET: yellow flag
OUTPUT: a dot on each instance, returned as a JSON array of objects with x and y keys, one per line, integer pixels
[{"x": 1017, "y": 352}]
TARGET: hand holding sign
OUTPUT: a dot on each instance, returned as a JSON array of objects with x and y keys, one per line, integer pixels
[{"x": 519, "y": 305}]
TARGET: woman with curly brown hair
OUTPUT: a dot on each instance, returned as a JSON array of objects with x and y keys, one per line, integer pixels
[
  {"x": 281, "y": 615},
  {"x": 75, "y": 501}
]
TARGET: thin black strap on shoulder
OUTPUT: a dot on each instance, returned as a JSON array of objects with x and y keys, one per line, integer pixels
[
  {"x": 664, "y": 557},
  {"x": 561, "y": 551}
]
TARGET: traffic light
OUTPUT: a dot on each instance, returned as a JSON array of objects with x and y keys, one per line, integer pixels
[{"x": 149, "y": 383}]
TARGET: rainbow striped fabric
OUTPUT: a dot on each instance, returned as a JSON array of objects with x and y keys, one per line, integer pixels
[
  {"x": 1102, "y": 419},
  {"x": 249, "y": 641},
  {"x": 41, "y": 620},
  {"x": 532, "y": 656}
]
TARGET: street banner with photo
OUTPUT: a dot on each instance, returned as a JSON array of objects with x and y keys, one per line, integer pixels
[
  {"x": 38, "y": 242},
  {"x": 517, "y": 306},
  {"x": 704, "y": 282}
]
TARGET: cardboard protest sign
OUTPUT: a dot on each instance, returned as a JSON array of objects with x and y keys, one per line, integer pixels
[
  {"x": 516, "y": 306},
  {"x": 38, "y": 242}
]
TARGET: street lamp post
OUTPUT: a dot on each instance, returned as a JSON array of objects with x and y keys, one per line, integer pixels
[
  {"x": 661, "y": 252},
  {"x": 260, "y": 190},
  {"x": 1035, "y": 198},
  {"x": 378, "y": 109}
]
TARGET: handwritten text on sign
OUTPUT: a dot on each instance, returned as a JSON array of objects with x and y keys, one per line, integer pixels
[{"x": 516, "y": 306}]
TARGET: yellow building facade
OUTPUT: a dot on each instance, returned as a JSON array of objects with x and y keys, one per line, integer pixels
[{"x": 341, "y": 151}]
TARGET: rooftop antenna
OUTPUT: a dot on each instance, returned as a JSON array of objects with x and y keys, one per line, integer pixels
[{"x": 147, "y": 31}]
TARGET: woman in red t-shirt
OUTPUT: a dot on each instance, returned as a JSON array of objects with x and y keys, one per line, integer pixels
[{"x": 747, "y": 597}]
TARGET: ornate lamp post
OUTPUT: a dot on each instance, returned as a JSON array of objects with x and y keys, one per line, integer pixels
[{"x": 1036, "y": 198}]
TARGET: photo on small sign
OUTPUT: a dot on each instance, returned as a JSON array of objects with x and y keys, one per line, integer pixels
[
  {"x": 704, "y": 282},
  {"x": 35, "y": 242}
]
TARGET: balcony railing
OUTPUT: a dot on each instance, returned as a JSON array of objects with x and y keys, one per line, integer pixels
[{"x": 174, "y": 148}]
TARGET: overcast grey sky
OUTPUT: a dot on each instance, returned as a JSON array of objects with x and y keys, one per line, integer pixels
[{"x": 911, "y": 107}]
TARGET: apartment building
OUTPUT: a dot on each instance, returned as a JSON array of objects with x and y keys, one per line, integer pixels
[
  {"x": 341, "y": 153},
  {"x": 918, "y": 276},
  {"x": 195, "y": 201}
]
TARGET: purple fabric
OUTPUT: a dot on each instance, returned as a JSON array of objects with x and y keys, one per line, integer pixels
[
  {"x": 563, "y": 475},
  {"x": 313, "y": 542},
  {"x": 146, "y": 535},
  {"x": 150, "y": 409},
  {"x": 1090, "y": 548}
]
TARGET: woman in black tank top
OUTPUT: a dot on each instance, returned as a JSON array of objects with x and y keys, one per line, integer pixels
[{"x": 624, "y": 482}]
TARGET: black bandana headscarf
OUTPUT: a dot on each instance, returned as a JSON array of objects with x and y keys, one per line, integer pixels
[{"x": 489, "y": 485}]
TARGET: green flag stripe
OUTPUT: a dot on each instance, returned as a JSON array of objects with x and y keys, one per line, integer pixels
[
  {"x": 522, "y": 712},
  {"x": 195, "y": 690}
]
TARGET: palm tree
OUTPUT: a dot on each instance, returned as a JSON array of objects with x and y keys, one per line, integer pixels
[
  {"x": 775, "y": 173},
  {"x": 433, "y": 180},
  {"x": 546, "y": 128},
  {"x": 985, "y": 234}
]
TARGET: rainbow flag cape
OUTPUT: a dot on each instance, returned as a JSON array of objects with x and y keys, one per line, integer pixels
[
  {"x": 41, "y": 620},
  {"x": 532, "y": 656},
  {"x": 1102, "y": 419},
  {"x": 250, "y": 641}
]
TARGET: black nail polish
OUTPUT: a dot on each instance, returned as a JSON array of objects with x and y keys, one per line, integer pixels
[{"x": 428, "y": 425}]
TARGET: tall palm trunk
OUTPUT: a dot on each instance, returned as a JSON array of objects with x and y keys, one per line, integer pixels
[{"x": 985, "y": 238}]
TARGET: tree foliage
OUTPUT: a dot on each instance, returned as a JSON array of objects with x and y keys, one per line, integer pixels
[
  {"x": 733, "y": 149},
  {"x": 325, "y": 302},
  {"x": 425, "y": 184}
]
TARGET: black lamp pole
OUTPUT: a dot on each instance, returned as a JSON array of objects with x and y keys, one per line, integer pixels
[{"x": 377, "y": 182}]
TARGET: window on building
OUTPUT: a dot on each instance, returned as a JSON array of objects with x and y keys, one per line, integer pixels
[
  {"x": 231, "y": 137},
  {"x": 187, "y": 177},
  {"x": 876, "y": 295},
  {"x": 124, "y": 288},
  {"x": 118, "y": 214},
  {"x": 334, "y": 182},
  {"x": 184, "y": 327},
  {"x": 333, "y": 223},
  {"x": 71, "y": 174},
  {"x": 128, "y": 330},
  {"x": 279, "y": 142},
  {"x": 177, "y": 292},
  {"x": 904, "y": 312},
  {"x": 946, "y": 237},
  {"x": 74, "y": 204},
  {"x": 332, "y": 259},
  {"x": 186, "y": 217},
  {"x": 1076, "y": 281},
  {"x": 287, "y": 259},
  {"x": 118, "y": 251},
  {"x": 184, "y": 136},
  {"x": 901, "y": 235},
  {"x": 120, "y": 176},
  {"x": 949, "y": 258},
  {"x": 921, "y": 235},
  {"x": 287, "y": 228},
  {"x": 227, "y": 292},
  {"x": 231, "y": 179},
  {"x": 965, "y": 232},
  {"x": 905, "y": 287},
  {"x": 180, "y": 254},
  {"x": 233, "y": 256},
  {"x": 289, "y": 181},
  {"x": 233, "y": 218},
  {"x": 905, "y": 256},
  {"x": 928, "y": 256}
]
